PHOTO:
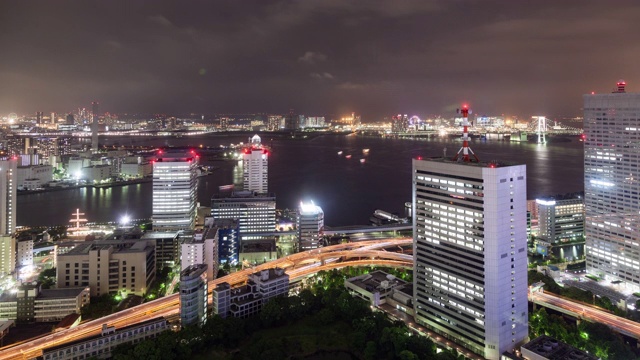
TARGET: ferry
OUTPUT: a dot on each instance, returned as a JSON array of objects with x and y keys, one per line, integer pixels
[{"x": 348, "y": 156}]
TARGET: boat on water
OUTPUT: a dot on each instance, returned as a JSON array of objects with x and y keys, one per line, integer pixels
[
  {"x": 362, "y": 161},
  {"x": 339, "y": 152},
  {"x": 365, "y": 151},
  {"x": 348, "y": 156}
]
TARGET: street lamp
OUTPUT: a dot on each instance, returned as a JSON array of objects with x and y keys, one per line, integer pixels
[{"x": 124, "y": 220}]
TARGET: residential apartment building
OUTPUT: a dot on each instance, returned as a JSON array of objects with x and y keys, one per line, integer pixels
[
  {"x": 193, "y": 295},
  {"x": 247, "y": 300}
]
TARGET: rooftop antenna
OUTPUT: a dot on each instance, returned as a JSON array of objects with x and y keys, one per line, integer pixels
[{"x": 465, "y": 149}]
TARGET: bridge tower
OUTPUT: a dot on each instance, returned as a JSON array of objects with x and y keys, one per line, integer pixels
[{"x": 541, "y": 129}]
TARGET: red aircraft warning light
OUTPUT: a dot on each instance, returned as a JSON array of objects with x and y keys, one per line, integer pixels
[{"x": 465, "y": 149}]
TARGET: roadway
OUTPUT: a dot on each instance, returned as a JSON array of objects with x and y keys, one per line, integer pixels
[
  {"x": 295, "y": 265},
  {"x": 620, "y": 324},
  {"x": 299, "y": 265}
]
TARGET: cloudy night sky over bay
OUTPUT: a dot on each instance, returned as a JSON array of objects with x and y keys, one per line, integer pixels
[{"x": 375, "y": 58}]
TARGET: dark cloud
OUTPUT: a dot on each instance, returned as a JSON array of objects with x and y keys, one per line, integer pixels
[{"x": 317, "y": 56}]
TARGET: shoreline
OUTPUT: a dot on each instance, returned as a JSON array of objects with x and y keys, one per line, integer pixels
[{"x": 98, "y": 186}]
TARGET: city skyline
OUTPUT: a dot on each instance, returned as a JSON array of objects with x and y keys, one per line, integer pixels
[{"x": 319, "y": 56}]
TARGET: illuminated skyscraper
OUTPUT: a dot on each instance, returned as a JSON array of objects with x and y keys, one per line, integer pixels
[
  {"x": 612, "y": 185},
  {"x": 174, "y": 191},
  {"x": 310, "y": 225},
  {"x": 94, "y": 126},
  {"x": 470, "y": 239},
  {"x": 8, "y": 187},
  {"x": 255, "y": 164}
]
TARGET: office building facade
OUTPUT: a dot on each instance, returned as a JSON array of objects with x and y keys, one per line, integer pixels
[
  {"x": 256, "y": 213},
  {"x": 560, "y": 220},
  {"x": 611, "y": 185},
  {"x": 32, "y": 304},
  {"x": 174, "y": 191},
  {"x": 228, "y": 240},
  {"x": 109, "y": 266},
  {"x": 167, "y": 247},
  {"x": 469, "y": 225},
  {"x": 310, "y": 224}
]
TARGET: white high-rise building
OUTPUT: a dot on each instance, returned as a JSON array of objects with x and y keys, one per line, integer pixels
[
  {"x": 201, "y": 249},
  {"x": 310, "y": 225},
  {"x": 470, "y": 239},
  {"x": 174, "y": 191},
  {"x": 8, "y": 187},
  {"x": 255, "y": 164},
  {"x": 612, "y": 185}
]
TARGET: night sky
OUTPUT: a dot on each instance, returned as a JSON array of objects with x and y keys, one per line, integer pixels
[{"x": 375, "y": 58}]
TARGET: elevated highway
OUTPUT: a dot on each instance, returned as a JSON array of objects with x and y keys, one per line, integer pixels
[
  {"x": 366, "y": 229},
  {"x": 298, "y": 266},
  {"x": 586, "y": 312}
]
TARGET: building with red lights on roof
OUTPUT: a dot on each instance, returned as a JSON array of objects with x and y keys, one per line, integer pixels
[
  {"x": 255, "y": 165},
  {"x": 174, "y": 190}
]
